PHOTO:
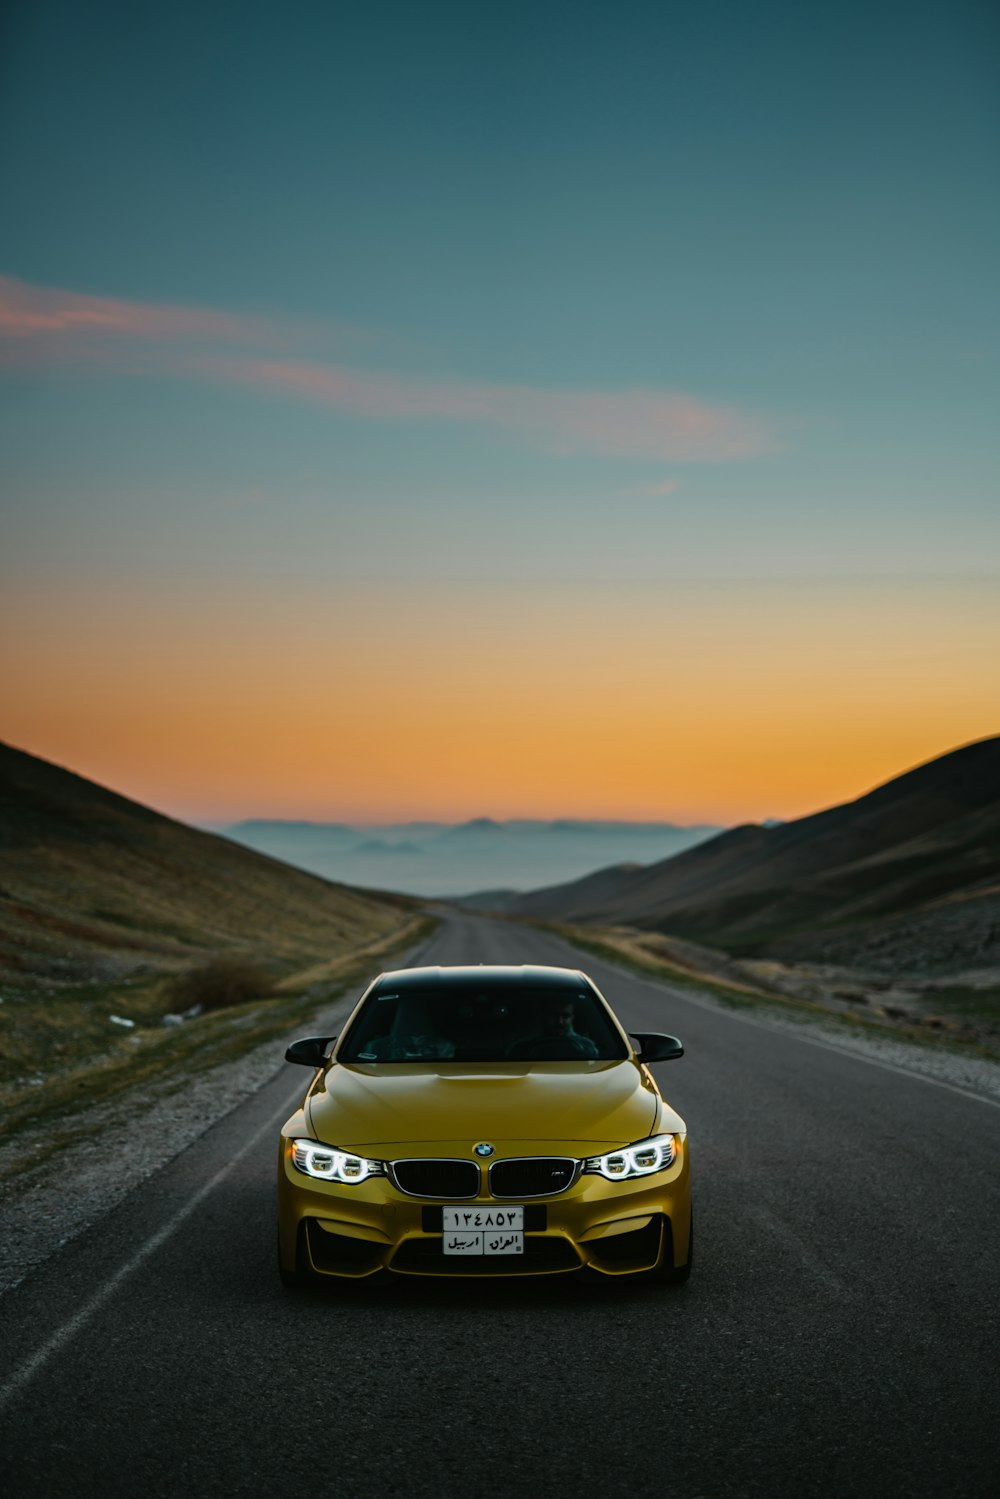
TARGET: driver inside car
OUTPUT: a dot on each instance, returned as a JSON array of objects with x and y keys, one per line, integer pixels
[{"x": 555, "y": 1038}]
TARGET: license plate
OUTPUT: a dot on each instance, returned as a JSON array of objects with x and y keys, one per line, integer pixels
[{"x": 483, "y": 1230}]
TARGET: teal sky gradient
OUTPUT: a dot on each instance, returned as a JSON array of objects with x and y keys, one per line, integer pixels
[{"x": 543, "y": 293}]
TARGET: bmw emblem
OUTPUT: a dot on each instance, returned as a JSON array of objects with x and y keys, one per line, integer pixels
[{"x": 483, "y": 1150}]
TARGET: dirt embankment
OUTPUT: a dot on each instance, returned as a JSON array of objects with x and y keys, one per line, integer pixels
[{"x": 961, "y": 1007}]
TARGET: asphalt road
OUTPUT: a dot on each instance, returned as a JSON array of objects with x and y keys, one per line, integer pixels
[{"x": 838, "y": 1335}]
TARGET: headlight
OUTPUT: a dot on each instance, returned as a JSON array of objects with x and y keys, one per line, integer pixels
[
  {"x": 329, "y": 1164},
  {"x": 641, "y": 1159}
]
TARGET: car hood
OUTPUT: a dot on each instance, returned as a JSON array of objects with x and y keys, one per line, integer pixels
[{"x": 510, "y": 1105}]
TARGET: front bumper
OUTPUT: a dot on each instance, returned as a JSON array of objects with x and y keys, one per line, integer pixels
[{"x": 614, "y": 1228}]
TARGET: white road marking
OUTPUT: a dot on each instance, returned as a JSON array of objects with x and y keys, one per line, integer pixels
[{"x": 64, "y": 1334}]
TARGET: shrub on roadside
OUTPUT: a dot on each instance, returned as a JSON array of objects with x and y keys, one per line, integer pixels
[{"x": 221, "y": 983}]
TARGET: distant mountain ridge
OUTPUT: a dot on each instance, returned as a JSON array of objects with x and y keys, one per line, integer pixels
[
  {"x": 442, "y": 859},
  {"x": 860, "y": 877}
]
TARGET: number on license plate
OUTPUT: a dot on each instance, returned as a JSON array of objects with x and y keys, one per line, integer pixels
[{"x": 483, "y": 1230}]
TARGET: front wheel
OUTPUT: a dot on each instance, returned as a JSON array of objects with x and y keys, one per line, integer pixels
[
  {"x": 294, "y": 1280},
  {"x": 668, "y": 1273}
]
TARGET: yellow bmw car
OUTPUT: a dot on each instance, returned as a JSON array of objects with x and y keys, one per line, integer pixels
[{"x": 489, "y": 1121}]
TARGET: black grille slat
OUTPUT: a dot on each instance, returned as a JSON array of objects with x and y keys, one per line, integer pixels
[
  {"x": 532, "y": 1176},
  {"x": 437, "y": 1178},
  {"x": 522, "y": 1177}
]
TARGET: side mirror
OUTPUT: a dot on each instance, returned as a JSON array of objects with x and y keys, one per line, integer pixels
[
  {"x": 310, "y": 1051},
  {"x": 654, "y": 1047}
]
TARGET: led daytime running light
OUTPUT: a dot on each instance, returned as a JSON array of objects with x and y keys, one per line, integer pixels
[
  {"x": 642, "y": 1159},
  {"x": 326, "y": 1163}
]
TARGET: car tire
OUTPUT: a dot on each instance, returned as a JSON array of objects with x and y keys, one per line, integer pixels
[
  {"x": 680, "y": 1273},
  {"x": 669, "y": 1274},
  {"x": 297, "y": 1278}
]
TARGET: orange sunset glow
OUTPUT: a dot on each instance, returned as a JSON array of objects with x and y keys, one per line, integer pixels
[
  {"x": 509, "y": 435},
  {"x": 724, "y": 703}
]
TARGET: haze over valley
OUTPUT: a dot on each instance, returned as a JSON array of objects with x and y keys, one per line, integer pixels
[{"x": 442, "y": 859}]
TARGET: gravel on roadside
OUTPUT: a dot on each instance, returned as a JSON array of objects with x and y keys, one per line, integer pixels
[
  {"x": 936, "y": 1059},
  {"x": 122, "y": 1143}
]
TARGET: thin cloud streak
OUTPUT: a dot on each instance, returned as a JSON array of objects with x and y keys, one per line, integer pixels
[
  {"x": 50, "y": 314},
  {"x": 636, "y": 423},
  {"x": 105, "y": 332}
]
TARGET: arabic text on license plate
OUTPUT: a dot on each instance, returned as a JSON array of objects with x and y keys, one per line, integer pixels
[{"x": 483, "y": 1230}]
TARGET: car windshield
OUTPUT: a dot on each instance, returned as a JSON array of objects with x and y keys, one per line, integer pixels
[{"x": 517, "y": 1024}]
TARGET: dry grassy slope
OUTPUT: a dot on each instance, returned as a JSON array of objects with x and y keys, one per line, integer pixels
[
  {"x": 93, "y": 886},
  {"x": 927, "y": 842}
]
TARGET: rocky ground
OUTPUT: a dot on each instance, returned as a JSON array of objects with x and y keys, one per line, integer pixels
[
  {"x": 118, "y": 1144},
  {"x": 940, "y": 942},
  {"x": 962, "y": 1005}
]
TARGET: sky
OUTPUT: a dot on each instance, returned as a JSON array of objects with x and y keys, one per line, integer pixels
[{"x": 438, "y": 411}]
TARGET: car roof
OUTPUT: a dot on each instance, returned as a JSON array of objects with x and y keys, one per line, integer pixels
[{"x": 484, "y": 976}]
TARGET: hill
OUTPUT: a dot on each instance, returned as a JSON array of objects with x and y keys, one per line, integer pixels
[
  {"x": 135, "y": 952},
  {"x": 94, "y": 888},
  {"x": 908, "y": 873}
]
